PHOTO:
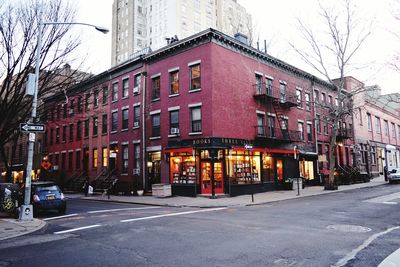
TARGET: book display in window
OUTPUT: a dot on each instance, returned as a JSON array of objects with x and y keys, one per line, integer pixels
[
  {"x": 206, "y": 175},
  {"x": 183, "y": 172},
  {"x": 218, "y": 174}
]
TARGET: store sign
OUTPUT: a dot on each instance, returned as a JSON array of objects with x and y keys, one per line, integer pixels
[
  {"x": 248, "y": 147},
  {"x": 220, "y": 142}
]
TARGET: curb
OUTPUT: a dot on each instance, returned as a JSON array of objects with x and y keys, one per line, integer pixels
[{"x": 28, "y": 229}]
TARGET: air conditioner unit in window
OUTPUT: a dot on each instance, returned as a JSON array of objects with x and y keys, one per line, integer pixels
[
  {"x": 71, "y": 112},
  {"x": 174, "y": 130},
  {"x": 136, "y": 124},
  {"x": 136, "y": 171},
  {"x": 136, "y": 90}
]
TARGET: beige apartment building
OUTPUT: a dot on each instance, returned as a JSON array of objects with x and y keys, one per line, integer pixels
[{"x": 142, "y": 24}]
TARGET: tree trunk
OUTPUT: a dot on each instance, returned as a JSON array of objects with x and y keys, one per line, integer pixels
[{"x": 330, "y": 183}]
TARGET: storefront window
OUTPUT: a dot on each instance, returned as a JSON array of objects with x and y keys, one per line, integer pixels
[
  {"x": 244, "y": 167},
  {"x": 268, "y": 169},
  {"x": 183, "y": 169}
]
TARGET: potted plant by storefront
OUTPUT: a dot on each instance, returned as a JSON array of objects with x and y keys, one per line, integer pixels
[{"x": 139, "y": 189}]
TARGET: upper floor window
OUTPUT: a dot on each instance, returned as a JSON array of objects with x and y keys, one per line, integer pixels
[
  {"x": 65, "y": 110},
  {"x": 260, "y": 125},
  {"x": 323, "y": 99},
  {"x": 174, "y": 122},
  {"x": 136, "y": 116},
  {"x": 271, "y": 126},
  {"x": 86, "y": 130},
  {"x": 64, "y": 134},
  {"x": 386, "y": 125},
  {"x": 96, "y": 98},
  {"x": 155, "y": 123},
  {"x": 330, "y": 100},
  {"x": 174, "y": 82},
  {"x": 104, "y": 123},
  {"x": 71, "y": 132},
  {"x": 136, "y": 83},
  {"x": 125, "y": 88},
  {"x": 155, "y": 88},
  {"x": 307, "y": 101},
  {"x": 300, "y": 128},
  {"x": 195, "y": 118},
  {"x": 195, "y": 77},
  {"x": 318, "y": 123},
  {"x": 105, "y": 95},
  {"x": 95, "y": 125},
  {"x": 125, "y": 156},
  {"x": 58, "y": 112},
  {"x": 268, "y": 86},
  {"x": 298, "y": 98},
  {"x": 114, "y": 96},
  {"x": 79, "y": 104},
  {"x": 393, "y": 130},
  {"x": 369, "y": 122},
  {"x": 78, "y": 130},
  {"x": 114, "y": 121},
  {"x": 282, "y": 92},
  {"x": 309, "y": 132},
  {"x": 72, "y": 107},
  {"x": 316, "y": 96},
  {"x": 259, "y": 84},
  {"x": 125, "y": 122},
  {"x": 378, "y": 124},
  {"x": 87, "y": 101}
]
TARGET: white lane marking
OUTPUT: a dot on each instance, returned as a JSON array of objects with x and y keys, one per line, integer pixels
[
  {"x": 110, "y": 210},
  {"x": 383, "y": 199},
  {"x": 60, "y": 217},
  {"x": 170, "y": 214},
  {"x": 392, "y": 260},
  {"x": 343, "y": 261},
  {"x": 390, "y": 203},
  {"x": 77, "y": 229}
]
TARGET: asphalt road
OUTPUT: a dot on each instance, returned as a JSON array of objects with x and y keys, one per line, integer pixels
[{"x": 351, "y": 228}]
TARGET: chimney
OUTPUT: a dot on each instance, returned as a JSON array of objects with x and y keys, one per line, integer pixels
[{"x": 241, "y": 38}]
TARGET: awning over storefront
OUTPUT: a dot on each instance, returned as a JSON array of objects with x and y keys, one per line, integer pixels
[{"x": 178, "y": 150}]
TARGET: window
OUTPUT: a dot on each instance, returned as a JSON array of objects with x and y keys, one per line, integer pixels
[
  {"x": 78, "y": 159},
  {"x": 104, "y": 124},
  {"x": 330, "y": 100},
  {"x": 271, "y": 126},
  {"x": 125, "y": 119},
  {"x": 398, "y": 131},
  {"x": 307, "y": 100},
  {"x": 114, "y": 121},
  {"x": 174, "y": 122},
  {"x": 70, "y": 158},
  {"x": 155, "y": 88},
  {"x": 282, "y": 92},
  {"x": 136, "y": 83},
  {"x": 125, "y": 88},
  {"x": 318, "y": 123},
  {"x": 323, "y": 99},
  {"x": 96, "y": 98},
  {"x": 309, "y": 131},
  {"x": 195, "y": 77},
  {"x": 87, "y": 101},
  {"x": 125, "y": 159},
  {"x": 95, "y": 125},
  {"x": 79, "y": 104},
  {"x": 78, "y": 130},
  {"x": 316, "y": 96},
  {"x": 174, "y": 82},
  {"x": 260, "y": 125},
  {"x": 369, "y": 122},
  {"x": 258, "y": 84},
  {"x": 63, "y": 160},
  {"x": 155, "y": 120},
  {"x": 114, "y": 96},
  {"x": 94, "y": 164},
  {"x": 136, "y": 151},
  {"x": 57, "y": 135},
  {"x": 326, "y": 128},
  {"x": 393, "y": 130},
  {"x": 337, "y": 102},
  {"x": 268, "y": 86},
  {"x": 51, "y": 136},
  {"x": 386, "y": 125},
  {"x": 373, "y": 155},
  {"x": 57, "y": 159},
  {"x": 298, "y": 98},
  {"x": 71, "y": 107},
  {"x": 136, "y": 116},
  {"x": 71, "y": 132},
  {"x": 300, "y": 128},
  {"x": 65, "y": 110},
  {"x": 58, "y": 112},
  {"x": 195, "y": 118},
  {"x": 105, "y": 95},
  {"x": 104, "y": 153},
  {"x": 64, "y": 133},
  {"x": 378, "y": 125},
  {"x": 86, "y": 130}
]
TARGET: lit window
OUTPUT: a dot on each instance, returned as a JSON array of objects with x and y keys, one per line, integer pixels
[
  {"x": 195, "y": 119},
  {"x": 174, "y": 83},
  {"x": 195, "y": 77}
]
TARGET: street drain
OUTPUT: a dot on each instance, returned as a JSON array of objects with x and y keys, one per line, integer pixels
[{"x": 348, "y": 228}]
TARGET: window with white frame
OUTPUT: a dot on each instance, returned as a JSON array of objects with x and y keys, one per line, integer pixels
[
  {"x": 136, "y": 151},
  {"x": 195, "y": 77},
  {"x": 259, "y": 84},
  {"x": 174, "y": 122},
  {"x": 125, "y": 88},
  {"x": 195, "y": 119},
  {"x": 378, "y": 124},
  {"x": 271, "y": 126},
  {"x": 125, "y": 119},
  {"x": 393, "y": 130},
  {"x": 268, "y": 86},
  {"x": 155, "y": 88},
  {"x": 174, "y": 82},
  {"x": 136, "y": 83},
  {"x": 386, "y": 125},
  {"x": 114, "y": 95},
  {"x": 299, "y": 98},
  {"x": 114, "y": 121},
  {"x": 282, "y": 92},
  {"x": 369, "y": 122},
  {"x": 309, "y": 131},
  {"x": 136, "y": 116},
  {"x": 125, "y": 155},
  {"x": 155, "y": 126},
  {"x": 260, "y": 125},
  {"x": 300, "y": 128},
  {"x": 307, "y": 100}
]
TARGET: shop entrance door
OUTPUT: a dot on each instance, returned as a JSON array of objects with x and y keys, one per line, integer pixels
[
  {"x": 206, "y": 177},
  {"x": 154, "y": 169}
]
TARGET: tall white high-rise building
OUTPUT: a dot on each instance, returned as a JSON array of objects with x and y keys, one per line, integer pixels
[{"x": 138, "y": 24}]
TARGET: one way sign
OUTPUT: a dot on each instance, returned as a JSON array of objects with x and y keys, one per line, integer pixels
[{"x": 31, "y": 128}]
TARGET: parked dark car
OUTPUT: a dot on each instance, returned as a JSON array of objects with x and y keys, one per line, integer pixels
[{"x": 47, "y": 196}]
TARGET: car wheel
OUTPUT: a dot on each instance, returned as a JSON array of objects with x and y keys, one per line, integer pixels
[{"x": 62, "y": 210}]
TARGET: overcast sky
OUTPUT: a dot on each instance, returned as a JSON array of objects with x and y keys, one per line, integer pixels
[{"x": 275, "y": 21}]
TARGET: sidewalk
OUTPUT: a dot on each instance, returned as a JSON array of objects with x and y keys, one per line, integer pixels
[
  {"x": 223, "y": 201},
  {"x": 10, "y": 228}
]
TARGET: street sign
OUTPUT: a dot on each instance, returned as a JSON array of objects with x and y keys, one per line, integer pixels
[{"x": 30, "y": 127}]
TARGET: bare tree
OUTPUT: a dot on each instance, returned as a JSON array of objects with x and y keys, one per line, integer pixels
[
  {"x": 18, "y": 41},
  {"x": 330, "y": 54}
]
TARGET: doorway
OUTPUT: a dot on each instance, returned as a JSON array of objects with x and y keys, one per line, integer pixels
[
  {"x": 153, "y": 169},
  {"x": 206, "y": 177}
]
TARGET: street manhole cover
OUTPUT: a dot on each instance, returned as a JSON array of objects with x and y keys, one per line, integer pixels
[{"x": 348, "y": 228}]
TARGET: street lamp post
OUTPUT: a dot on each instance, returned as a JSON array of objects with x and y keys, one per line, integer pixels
[{"x": 26, "y": 211}]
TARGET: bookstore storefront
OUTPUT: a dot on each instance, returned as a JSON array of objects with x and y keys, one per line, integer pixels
[{"x": 223, "y": 166}]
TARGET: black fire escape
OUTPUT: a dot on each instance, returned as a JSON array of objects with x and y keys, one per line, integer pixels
[{"x": 278, "y": 101}]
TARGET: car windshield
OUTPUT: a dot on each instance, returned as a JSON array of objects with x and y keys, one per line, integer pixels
[
  {"x": 47, "y": 188},
  {"x": 396, "y": 170}
]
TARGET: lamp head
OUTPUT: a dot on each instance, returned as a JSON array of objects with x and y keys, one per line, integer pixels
[{"x": 101, "y": 29}]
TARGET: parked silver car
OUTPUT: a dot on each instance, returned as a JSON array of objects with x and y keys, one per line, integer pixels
[{"x": 394, "y": 175}]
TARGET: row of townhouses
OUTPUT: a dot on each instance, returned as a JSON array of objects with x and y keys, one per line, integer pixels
[{"x": 211, "y": 115}]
